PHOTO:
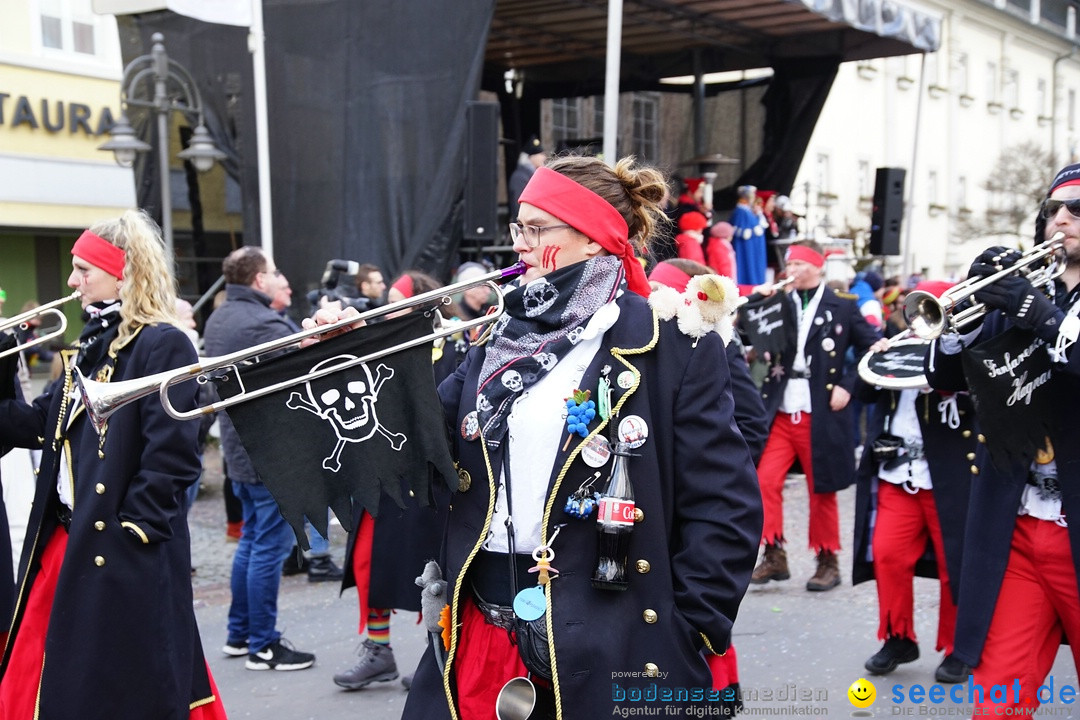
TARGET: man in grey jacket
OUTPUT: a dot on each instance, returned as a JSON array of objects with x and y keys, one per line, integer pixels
[{"x": 246, "y": 319}]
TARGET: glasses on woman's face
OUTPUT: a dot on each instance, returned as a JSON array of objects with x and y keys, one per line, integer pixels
[
  {"x": 1050, "y": 208},
  {"x": 530, "y": 234}
]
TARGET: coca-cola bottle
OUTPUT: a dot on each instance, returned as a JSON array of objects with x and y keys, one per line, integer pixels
[{"x": 614, "y": 523}]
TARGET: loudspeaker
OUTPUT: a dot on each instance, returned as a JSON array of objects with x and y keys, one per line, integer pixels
[
  {"x": 481, "y": 207},
  {"x": 888, "y": 211}
]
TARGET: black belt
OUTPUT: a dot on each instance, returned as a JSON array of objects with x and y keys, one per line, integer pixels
[
  {"x": 490, "y": 579},
  {"x": 799, "y": 375},
  {"x": 63, "y": 516}
]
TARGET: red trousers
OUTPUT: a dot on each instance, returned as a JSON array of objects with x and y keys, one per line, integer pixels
[
  {"x": 789, "y": 440},
  {"x": 904, "y": 523},
  {"x": 1037, "y": 602},
  {"x": 485, "y": 661}
]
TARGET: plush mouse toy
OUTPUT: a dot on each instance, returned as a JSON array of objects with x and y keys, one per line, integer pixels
[{"x": 707, "y": 305}]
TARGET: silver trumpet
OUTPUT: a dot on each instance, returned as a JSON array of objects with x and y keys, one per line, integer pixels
[
  {"x": 929, "y": 316},
  {"x": 775, "y": 287},
  {"x": 22, "y": 322},
  {"x": 102, "y": 399}
]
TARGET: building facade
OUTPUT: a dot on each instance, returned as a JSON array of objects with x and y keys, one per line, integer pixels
[{"x": 994, "y": 109}]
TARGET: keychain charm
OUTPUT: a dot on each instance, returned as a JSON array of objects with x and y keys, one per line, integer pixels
[{"x": 582, "y": 502}]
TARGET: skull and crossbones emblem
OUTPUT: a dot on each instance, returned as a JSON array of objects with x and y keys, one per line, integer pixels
[{"x": 350, "y": 409}]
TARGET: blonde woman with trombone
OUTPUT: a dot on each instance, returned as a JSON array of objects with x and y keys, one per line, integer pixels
[{"x": 104, "y": 625}]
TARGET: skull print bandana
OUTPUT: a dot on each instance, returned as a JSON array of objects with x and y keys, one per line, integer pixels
[{"x": 542, "y": 323}]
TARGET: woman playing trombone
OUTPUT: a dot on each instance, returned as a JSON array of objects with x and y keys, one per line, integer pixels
[
  {"x": 578, "y": 321},
  {"x": 104, "y": 625}
]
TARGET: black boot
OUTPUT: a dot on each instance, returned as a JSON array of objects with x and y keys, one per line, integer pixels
[
  {"x": 323, "y": 569},
  {"x": 895, "y": 651}
]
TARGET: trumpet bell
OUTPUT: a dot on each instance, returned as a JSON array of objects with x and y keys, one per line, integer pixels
[
  {"x": 102, "y": 399},
  {"x": 925, "y": 315}
]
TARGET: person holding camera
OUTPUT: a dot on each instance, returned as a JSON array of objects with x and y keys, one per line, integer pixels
[{"x": 914, "y": 471}]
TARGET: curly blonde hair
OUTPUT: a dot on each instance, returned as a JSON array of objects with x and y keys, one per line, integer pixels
[
  {"x": 636, "y": 191},
  {"x": 148, "y": 292}
]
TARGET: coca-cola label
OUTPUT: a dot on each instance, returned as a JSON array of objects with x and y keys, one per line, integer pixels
[{"x": 614, "y": 510}]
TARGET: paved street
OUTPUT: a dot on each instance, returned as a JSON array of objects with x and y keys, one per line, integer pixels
[{"x": 789, "y": 641}]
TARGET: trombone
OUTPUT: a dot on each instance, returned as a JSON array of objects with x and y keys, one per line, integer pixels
[
  {"x": 102, "y": 399},
  {"x": 22, "y": 322},
  {"x": 929, "y": 316}
]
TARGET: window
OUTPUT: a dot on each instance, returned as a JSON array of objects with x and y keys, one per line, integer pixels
[
  {"x": 1040, "y": 97},
  {"x": 69, "y": 26},
  {"x": 931, "y": 68},
  {"x": 961, "y": 192},
  {"x": 932, "y": 190},
  {"x": 991, "y": 82},
  {"x": 598, "y": 116},
  {"x": 646, "y": 116},
  {"x": 565, "y": 114},
  {"x": 866, "y": 180},
  {"x": 962, "y": 73},
  {"x": 1011, "y": 90},
  {"x": 821, "y": 174}
]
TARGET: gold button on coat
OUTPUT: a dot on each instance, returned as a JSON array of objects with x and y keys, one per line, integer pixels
[
  {"x": 966, "y": 433},
  {"x": 974, "y": 469},
  {"x": 652, "y": 670},
  {"x": 829, "y": 386},
  {"x": 99, "y": 561},
  {"x": 100, "y": 488},
  {"x": 643, "y": 566},
  {"x": 639, "y": 514},
  {"x": 970, "y": 456},
  {"x": 650, "y": 616},
  {"x": 99, "y": 526},
  {"x": 981, "y": 438}
]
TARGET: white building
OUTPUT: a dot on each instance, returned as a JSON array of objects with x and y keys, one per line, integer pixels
[{"x": 1007, "y": 73}]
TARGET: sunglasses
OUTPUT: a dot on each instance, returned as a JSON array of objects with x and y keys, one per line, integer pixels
[{"x": 1050, "y": 208}]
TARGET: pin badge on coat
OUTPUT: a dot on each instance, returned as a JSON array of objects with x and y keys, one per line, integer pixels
[
  {"x": 470, "y": 426},
  {"x": 827, "y": 344},
  {"x": 633, "y": 430}
]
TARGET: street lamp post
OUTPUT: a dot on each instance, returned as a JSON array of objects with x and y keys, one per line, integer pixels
[{"x": 169, "y": 86}]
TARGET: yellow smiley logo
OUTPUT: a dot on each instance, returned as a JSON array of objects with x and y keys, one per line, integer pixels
[{"x": 861, "y": 693}]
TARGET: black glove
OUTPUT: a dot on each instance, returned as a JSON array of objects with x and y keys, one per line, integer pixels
[
  {"x": 1029, "y": 308},
  {"x": 992, "y": 260}
]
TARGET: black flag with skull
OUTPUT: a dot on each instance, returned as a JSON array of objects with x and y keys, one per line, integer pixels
[{"x": 350, "y": 435}]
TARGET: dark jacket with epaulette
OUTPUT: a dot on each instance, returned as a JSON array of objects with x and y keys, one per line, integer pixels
[{"x": 836, "y": 325}]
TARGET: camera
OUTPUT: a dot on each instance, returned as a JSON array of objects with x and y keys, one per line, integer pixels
[{"x": 330, "y": 289}]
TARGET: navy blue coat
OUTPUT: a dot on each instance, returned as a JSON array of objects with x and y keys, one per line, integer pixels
[
  {"x": 837, "y": 325},
  {"x": 749, "y": 410},
  {"x": 947, "y": 452},
  {"x": 122, "y": 639},
  {"x": 693, "y": 550},
  {"x": 995, "y": 494}
]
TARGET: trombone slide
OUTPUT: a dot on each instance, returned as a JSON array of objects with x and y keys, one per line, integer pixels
[{"x": 103, "y": 399}]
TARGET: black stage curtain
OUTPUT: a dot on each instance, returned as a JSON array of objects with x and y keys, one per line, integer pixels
[{"x": 367, "y": 124}]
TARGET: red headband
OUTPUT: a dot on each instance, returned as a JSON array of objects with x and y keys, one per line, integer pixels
[
  {"x": 588, "y": 213},
  {"x": 667, "y": 274},
  {"x": 801, "y": 252},
  {"x": 100, "y": 252},
  {"x": 404, "y": 285}
]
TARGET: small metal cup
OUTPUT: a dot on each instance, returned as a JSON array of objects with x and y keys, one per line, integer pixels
[{"x": 516, "y": 700}]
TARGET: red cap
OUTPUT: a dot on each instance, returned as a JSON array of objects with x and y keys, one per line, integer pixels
[
  {"x": 692, "y": 220},
  {"x": 692, "y": 184}
]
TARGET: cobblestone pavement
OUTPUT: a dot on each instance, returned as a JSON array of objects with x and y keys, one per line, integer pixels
[{"x": 798, "y": 651}]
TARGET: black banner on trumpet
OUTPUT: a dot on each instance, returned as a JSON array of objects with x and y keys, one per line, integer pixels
[
  {"x": 764, "y": 325},
  {"x": 376, "y": 427},
  {"x": 1011, "y": 384}
]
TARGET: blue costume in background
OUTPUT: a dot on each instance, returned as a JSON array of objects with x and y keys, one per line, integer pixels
[{"x": 749, "y": 242}]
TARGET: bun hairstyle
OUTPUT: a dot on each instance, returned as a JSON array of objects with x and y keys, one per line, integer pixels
[
  {"x": 148, "y": 292},
  {"x": 637, "y": 192}
]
